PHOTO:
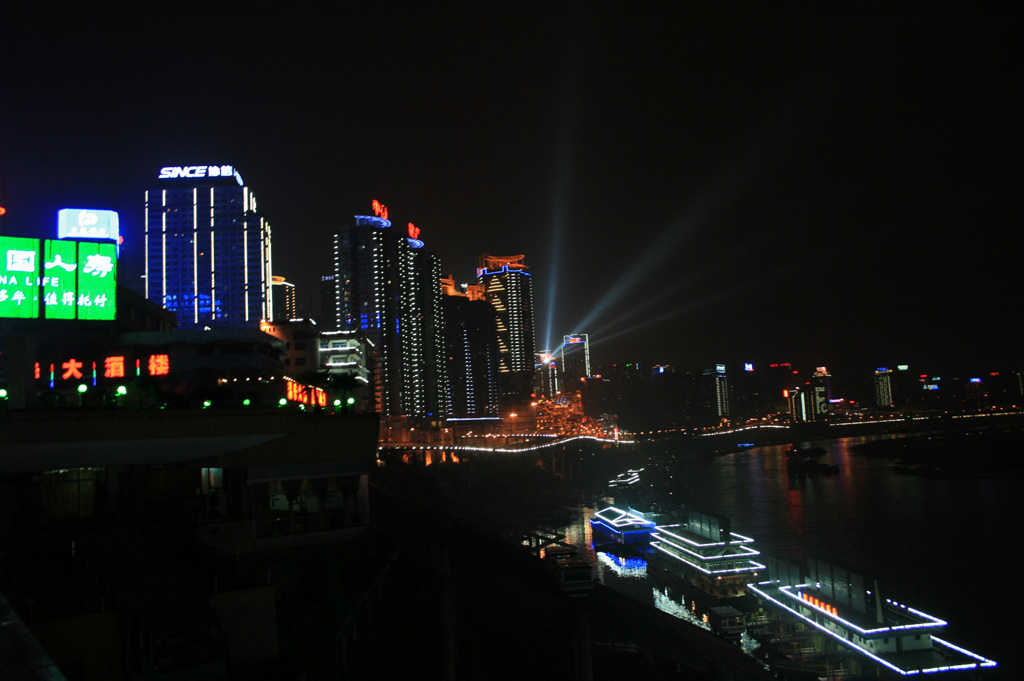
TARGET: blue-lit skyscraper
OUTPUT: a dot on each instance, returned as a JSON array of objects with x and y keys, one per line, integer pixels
[{"x": 208, "y": 254}]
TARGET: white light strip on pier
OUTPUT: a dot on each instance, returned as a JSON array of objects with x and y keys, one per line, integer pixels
[{"x": 982, "y": 662}]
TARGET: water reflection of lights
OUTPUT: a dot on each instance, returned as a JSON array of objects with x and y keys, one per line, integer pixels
[
  {"x": 630, "y": 568},
  {"x": 665, "y": 603}
]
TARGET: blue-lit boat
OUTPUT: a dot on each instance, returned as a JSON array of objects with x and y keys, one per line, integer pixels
[{"x": 615, "y": 526}]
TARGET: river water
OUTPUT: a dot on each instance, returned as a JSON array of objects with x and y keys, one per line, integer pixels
[{"x": 947, "y": 547}]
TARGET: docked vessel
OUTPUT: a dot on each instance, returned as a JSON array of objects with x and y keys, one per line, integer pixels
[
  {"x": 623, "y": 528},
  {"x": 727, "y": 621},
  {"x": 573, "y": 573},
  {"x": 837, "y": 618},
  {"x": 703, "y": 552}
]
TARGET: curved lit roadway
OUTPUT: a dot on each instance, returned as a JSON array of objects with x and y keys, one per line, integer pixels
[{"x": 526, "y": 444}]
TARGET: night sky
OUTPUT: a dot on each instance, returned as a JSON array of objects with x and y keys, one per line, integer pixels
[{"x": 689, "y": 186}]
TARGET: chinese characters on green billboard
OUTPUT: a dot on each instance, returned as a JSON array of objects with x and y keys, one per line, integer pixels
[
  {"x": 19, "y": 274},
  {"x": 57, "y": 279}
]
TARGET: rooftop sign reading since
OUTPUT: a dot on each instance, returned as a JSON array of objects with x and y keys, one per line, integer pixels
[
  {"x": 199, "y": 173},
  {"x": 72, "y": 279}
]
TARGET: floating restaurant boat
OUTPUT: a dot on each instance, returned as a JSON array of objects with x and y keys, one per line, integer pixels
[
  {"x": 627, "y": 479},
  {"x": 621, "y": 527},
  {"x": 704, "y": 553},
  {"x": 853, "y": 631},
  {"x": 835, "y": 606}
]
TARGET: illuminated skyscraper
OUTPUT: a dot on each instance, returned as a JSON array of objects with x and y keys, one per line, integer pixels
[
  {"x": 285, "y": 303},
  {"x": 883, "y": 387},
  {"x": 715, "y": 399},
  {"x": 721, "y": 392},
  {"x": 387, "y": 288},
  {"x": 508, "y": 287},
  {"x": 471, "y": 348},
  {"x": 547, "y": 377},
  {"x": 821, "y": 392},
  {"x": 328, "y": 304},
  {"x": 208, "y": 255},
  {"x": 574, "y": 360}
]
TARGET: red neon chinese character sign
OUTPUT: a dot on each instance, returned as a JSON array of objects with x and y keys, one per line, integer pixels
[
  {"x": 379, "y": 209},
  {"x": 414, "y": 231},
  {"x": 159, "y": 365},
  {"x": 296, "y": 392},
  {"x": 113, "y": 367},
  {"x": 71, "y": 369}
]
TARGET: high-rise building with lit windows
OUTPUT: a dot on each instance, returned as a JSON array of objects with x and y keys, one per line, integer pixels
[
  {"x": 471, "y": 350},
  {"x": 574, "y": 359},
  {"x": 820, "y": 393},
  {"x": 387, "y": 288},
  {"x": 286, "y": 305},
  {"x": 425, "y": 387},
  {"x": 715, "y": 396},
  {"x": 883, "y": 387},
  {"x": 208, "y": 251},
  {"x": 508, "y": 287},
  {"x": 327, "y": 317},
  {"x": 365, "y": 300}
]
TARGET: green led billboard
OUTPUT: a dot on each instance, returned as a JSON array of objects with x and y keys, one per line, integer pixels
[
  {"x": 61, "y": 259},
  {"x": 97, "y": 271},
  {"x": 57, "y": 279},
  {"x": 19, "y": 276}
]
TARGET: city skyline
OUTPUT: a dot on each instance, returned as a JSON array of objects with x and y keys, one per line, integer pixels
[{"x": 688, "y": 187}]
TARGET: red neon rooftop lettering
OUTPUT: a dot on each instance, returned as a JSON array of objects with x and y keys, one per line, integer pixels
[{"x": 414, "y": 231}]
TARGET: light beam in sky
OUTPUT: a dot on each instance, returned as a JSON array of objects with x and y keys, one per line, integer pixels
[
  {"x": 564, "y": 148},
  {"x": 752, "y": 163},
  {"x": 719, "y": 294}
]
